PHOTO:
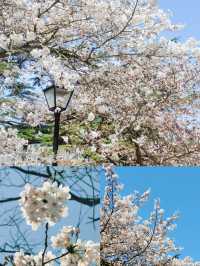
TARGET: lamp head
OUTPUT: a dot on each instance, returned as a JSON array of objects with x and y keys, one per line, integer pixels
[{"x": 57, "y": 97}]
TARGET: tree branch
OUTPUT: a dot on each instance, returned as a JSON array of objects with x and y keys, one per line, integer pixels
[{"x": 45, "y": 243}]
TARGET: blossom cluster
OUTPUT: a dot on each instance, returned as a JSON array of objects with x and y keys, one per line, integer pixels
[
  {"x": 10, "y": 143},
  {"x": 21, "y": 259},
  {"x": 57, "y": 71},
  {"x": 63, "y": 239},
  {"x": 80, "y": 253},
  {"x": 85, "y": 254},
  {"x": 44, "y": 204}
]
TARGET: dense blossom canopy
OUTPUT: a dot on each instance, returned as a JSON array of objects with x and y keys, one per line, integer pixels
[{"x": 139, "y": 88}]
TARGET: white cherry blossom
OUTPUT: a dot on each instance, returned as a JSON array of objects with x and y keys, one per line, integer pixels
[{"x": 44, "y": 204}]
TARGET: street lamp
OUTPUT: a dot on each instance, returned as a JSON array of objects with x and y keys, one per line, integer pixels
[{"x": 57, "y": 99}]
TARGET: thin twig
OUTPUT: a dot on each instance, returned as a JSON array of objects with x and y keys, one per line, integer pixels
[{"x": 45, "y": 243}]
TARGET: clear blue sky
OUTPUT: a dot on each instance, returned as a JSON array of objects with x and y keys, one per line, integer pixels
[
  {"x": 187, "y": 13},
  {"x": 178, "y": 190}
]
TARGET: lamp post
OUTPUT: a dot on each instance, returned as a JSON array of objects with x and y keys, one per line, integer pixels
[{"x": 57, "y": 99}]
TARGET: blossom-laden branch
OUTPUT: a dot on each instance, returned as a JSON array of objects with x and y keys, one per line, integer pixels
[{"x": 127, "y": 239}]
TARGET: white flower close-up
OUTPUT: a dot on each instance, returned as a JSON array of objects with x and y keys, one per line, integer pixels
[{"x": 44, "y": 204}]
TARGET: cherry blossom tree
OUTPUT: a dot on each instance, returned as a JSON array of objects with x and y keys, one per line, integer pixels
[
  {"x": 27, "y": 220},
  {"x": 136, "y": 91},
  {"x": 127, "y": 238}
]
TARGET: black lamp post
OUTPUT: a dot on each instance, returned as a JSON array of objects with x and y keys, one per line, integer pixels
[{"x": 57, "y": 99}]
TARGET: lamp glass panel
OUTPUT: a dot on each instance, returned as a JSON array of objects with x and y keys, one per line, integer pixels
[
  {"x": 62, "y": 97},
  {"x": 50, "y": 98}
]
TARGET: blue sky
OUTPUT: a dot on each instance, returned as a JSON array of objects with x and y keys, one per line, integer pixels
[
  {"x": 178, "y": 190},
  {"x": 184, "y": 12}
]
